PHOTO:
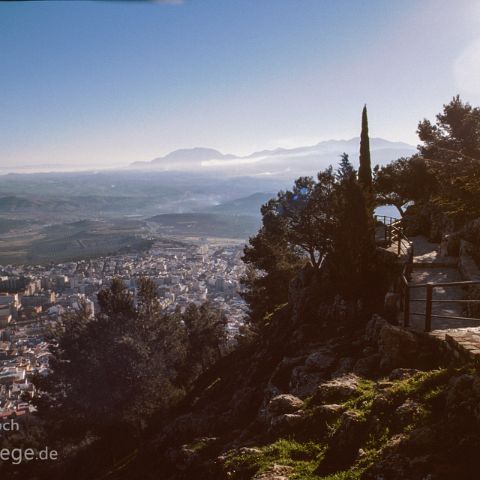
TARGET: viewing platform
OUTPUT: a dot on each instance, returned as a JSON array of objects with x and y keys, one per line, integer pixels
[{"x": 435, "y": 296}]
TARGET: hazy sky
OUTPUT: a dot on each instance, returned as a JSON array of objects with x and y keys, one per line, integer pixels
[{"x": 115, "y": 82}]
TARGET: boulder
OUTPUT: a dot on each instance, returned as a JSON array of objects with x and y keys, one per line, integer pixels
[
  {"x": 398, "y": 347},
  {"x": 329, "y": 412},
  {"x": 276, "y": 472},
  {"x": 282, "y": 404},
  {"x": 286, "y": 422},
  {"x": 337, "y": 390},
  {"x": 406, "y": 414}
]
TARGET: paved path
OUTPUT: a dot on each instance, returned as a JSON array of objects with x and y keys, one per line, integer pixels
[{"x": 430, "y": 267}]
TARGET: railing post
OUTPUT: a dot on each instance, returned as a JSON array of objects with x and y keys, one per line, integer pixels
[
  {"x": 406, "y": 306},
  {"x": 399, "y": 247},
  {"x": 428, "y": 309}
]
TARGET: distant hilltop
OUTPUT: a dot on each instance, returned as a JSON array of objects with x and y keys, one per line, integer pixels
[{"x": 280, "y": 161}]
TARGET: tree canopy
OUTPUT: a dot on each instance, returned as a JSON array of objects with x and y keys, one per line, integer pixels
[
  {"x": 451, "y": 149},
  {"x": 365, "y": 168},
  {"x": 326, "y": 218},
  {"x": 403, "y": 181},
  {"x": 130, "y": 361}
]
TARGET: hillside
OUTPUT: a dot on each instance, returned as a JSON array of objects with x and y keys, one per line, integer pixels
[
  {"x": 32, "y": 243},
  {"x": 207, "y": 225},
  {"x": 243, "y": 206},
  {"x": 310, "y": 404}
]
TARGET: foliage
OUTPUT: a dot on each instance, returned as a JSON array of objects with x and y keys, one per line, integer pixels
[
  {"x": 206, "y": 339},
  {"x": 112, "y": 372},
  {"x": 451, "y": 148},
  {"x": 365, "y": 168},
  {"x": 353, "y": 253},
  {"x": 403, "y": 181},
  {"x": 326, "y": 222},
  {"x": 303, "y": 457},
  {"x": 297, "y": 229}
]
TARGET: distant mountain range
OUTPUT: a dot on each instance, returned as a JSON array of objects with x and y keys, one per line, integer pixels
[{"x": 279, "y": 162}]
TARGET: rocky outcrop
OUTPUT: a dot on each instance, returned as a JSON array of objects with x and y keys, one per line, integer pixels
[{"x": 396, "y": 348}]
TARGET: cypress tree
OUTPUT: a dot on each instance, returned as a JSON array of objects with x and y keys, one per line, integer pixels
[{"x": 365, "y": 168}]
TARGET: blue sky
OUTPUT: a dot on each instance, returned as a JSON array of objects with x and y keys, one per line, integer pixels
[{"x": 107, "y": 83}]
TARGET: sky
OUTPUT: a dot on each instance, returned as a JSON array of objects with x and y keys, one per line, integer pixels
[{"x": 108, "y": 83}]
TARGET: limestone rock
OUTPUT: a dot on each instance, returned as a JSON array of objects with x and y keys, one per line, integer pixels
[
  {"x": 381, "y": 404},
  {"x": 304, "y": 383},
  {"x": 320, "y": 362},
  {"x": 373, "y": 328},
  {"x": 281, "y": 376},
  {"x": 344, "y": 366},
  {"x": 367, "y": 366},
  {"x": 276, "y": 472},
  {"x": 406, "y": 414},
  {"x": 337, "y": 390},
  {"x": 330, "y": 411},
  {"x": 345, "y": 443},
  {"x": 402, "y": 373},
  {"x": 282, "y": 404},
  {"x": 287, "y": 421},
  {"x": 398, "y": 347}
]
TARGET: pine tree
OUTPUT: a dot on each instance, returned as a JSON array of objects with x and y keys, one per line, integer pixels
[{"x": 365, "y": 168}]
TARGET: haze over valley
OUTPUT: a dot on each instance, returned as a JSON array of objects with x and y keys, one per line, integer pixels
[{"x": 189, "y": 192}]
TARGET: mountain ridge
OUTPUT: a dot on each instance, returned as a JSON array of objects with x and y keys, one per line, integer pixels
[{"x": 280, "y": 161}]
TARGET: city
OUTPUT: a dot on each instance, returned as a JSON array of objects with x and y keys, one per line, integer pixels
[{"x": 33, "y": 299}]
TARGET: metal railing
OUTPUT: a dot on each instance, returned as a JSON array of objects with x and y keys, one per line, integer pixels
[
  {"x": 395, "y": 235},
  {"x": 429, "y": 301}
]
